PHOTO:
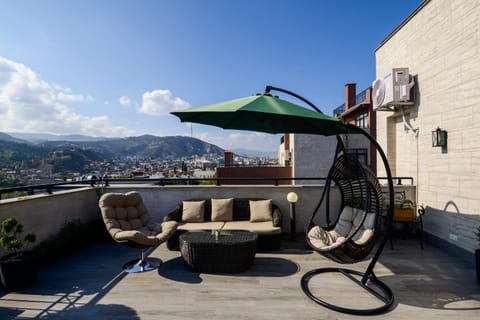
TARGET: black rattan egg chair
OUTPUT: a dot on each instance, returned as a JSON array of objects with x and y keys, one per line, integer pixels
[{"x": 349, "y": 229}]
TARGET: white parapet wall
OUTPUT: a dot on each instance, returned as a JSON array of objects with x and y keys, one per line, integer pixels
[{"x": 46, "y": 214}]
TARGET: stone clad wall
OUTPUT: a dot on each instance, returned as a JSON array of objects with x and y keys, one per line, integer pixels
[
  {"x": 312, "y": 156},
  {"x": 440, "y": 44}
]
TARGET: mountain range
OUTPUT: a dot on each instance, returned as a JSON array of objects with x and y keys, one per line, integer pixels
[
  {"x": 146, "y": 146},
  {"x": 52, "y": 139}
]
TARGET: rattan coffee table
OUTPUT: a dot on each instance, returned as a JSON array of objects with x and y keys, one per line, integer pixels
[{"x": 231, "y": 251}]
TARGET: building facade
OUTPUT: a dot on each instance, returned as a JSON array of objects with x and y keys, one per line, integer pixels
[
  {"x": 358, "y": 110},
  {"x": 440, "y": 44}
]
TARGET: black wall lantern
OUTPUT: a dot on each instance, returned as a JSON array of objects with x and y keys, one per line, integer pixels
[{"x": 439, "y": 138}]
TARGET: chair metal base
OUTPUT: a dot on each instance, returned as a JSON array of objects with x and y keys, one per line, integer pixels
[
  {"x": 140, "y": 265},
  {"x": 374, "y": 286}
]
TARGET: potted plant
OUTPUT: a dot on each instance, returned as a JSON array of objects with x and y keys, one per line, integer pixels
[
  {"x": 17, "y": 270},
  {"x": 403, "y": 210}
]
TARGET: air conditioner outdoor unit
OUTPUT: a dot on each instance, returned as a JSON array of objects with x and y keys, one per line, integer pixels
[{"x": 392, "y": 90}]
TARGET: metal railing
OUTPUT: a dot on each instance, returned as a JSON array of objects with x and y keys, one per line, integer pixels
[
  {"x": 362, "y": 96},
  {"x": 105, "y": 182},
  {"x": 338, "y": 110}
]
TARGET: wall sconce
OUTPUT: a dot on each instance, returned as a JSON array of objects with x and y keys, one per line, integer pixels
[
  {"x": 292, "y": 197},
  {"x": 439, "y": 138}
]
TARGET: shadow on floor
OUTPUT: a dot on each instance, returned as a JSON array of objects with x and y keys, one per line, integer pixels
[
  {"x": 430, "y": 278},
  {"x": 97, "y": 311},
  {"x": 175, "y": 270},
  {"x": 72, "y": 287}
]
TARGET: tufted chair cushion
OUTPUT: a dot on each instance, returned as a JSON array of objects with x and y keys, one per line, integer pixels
[{"x": 127, "y": 220}]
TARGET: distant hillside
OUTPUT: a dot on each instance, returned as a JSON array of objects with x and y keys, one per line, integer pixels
[
  {"x": 19, "y": 154},
  {"x": 146, "y": 146},
  {"x": 41, "y": 137},
  {"x": 74, "y": 155},
  {"x": 7, "y": 137}
]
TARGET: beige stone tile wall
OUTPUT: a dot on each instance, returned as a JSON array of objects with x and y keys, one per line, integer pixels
[{"x": 440, "y": 45}]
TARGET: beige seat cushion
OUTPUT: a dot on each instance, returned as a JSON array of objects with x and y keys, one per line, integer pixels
[
  {"x": 260, "y": 210},
  {"x": 349, "y": 221},
  {"x": 193, "y": 211},
  {"x": 222, "y": 209},
  {"x": 366, "y": 230},
  {"x": 322, "y": 239},
  {"x": 265, "y": 227},
  {"x": 208, "y": 225},
  {"x": 362, "y": 236}
]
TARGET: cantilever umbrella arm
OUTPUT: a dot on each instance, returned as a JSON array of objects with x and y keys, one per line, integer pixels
[{"x": 269, "y": 88}]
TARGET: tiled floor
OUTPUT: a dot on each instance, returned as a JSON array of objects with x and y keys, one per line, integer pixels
[{"x": 427, "y": 284}]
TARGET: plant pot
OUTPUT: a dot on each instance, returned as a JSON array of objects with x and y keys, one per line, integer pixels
[
  {"x": 17, "y": 273},
  {"x": 477, "y": 263},
  {"x": 403, "y": 214}
]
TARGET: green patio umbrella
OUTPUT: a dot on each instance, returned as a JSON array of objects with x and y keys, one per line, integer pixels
[{"x": 264, "y": 113}]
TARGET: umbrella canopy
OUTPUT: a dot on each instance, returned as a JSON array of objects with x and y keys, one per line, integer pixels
[{"x": 264, "y": 113}]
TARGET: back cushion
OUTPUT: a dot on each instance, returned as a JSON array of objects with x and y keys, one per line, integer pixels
[
  {"x": 124, "y": 211},
  {"x": 222, "y": 209},
  {"x": 345, "y": 222},
  {"x": 260, "y": 210},
  {"x": 193, "y": 211},
  {"x": 367, "y": 224}
]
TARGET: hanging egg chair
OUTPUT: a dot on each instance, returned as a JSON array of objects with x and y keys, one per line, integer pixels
[{"x": 350, "y": 228}]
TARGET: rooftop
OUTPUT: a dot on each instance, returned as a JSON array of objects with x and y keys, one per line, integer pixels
[{"x": 427, "y": 284}]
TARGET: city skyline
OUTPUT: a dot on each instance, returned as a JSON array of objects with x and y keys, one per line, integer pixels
[{"x": 117, "y": 69}]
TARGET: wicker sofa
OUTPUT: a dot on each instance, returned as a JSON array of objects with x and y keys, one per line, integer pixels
[{"x": 269, "y": 230}]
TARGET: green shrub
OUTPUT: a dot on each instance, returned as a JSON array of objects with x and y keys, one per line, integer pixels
[{"x": 10, "y": 228}]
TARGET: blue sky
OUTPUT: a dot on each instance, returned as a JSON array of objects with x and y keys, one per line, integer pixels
[{"x": 117, "y": 68}]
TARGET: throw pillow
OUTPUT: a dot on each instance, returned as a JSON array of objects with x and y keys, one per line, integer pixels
[
  {"x": 222, "y": 209},
  {"x": 260, "y": 210},
  {"x": 193, "y": 211}
]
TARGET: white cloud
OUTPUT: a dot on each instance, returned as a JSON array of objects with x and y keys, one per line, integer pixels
[
  {"x": 29, "y": 104},
  {"x": 66, "y": 97},
  {"x": 125, "y": 101},
  {"x": 160, "y": 102}
]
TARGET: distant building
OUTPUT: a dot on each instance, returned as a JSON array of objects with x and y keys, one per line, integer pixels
[
  {"x": 311, "y": 155},
  {"x": 358, "y": 110},
  {"x": 230, "y": 170}
]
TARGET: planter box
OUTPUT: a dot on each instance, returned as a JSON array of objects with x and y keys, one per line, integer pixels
[
  {"x": 17, "y": 274},
  {"x": 400, "y": 214}
]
